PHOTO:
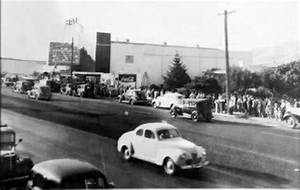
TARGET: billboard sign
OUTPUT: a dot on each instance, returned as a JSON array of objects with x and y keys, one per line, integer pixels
[
  {"x": 127, "y": 80},
  {"x": 61, "y": 53}
]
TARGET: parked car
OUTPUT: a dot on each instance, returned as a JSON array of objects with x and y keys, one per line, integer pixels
[
  {"x": 194, "y": 108},
  {"x": 161, "y": 144},
  {"x": 167, "y": 100},
  {"x": 133, "y": 97},
  {"x": 66, "y": 174},
  {"x": 292, "y": 115},
  {"x": 23, "y": 86},
  {"x": 40, "y": 92},
  {"x": 14, "y": 169}
]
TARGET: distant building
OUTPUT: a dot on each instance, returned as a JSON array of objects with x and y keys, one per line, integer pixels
[
  {"x": 150, "y": 62},
  {"x": 18, "y": 66}
]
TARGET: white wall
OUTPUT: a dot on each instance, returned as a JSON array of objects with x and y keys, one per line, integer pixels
[{"x": 156, "y": 59}]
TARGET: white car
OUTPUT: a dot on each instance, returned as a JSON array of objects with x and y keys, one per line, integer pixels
[
  {"x": 167, "y": 100},
  {"x": 162, "y": 144}
]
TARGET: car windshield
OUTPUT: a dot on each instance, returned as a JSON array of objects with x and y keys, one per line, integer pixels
[
  {"x": 167, "y": 134},
  {"x": 88, "y": 183}
]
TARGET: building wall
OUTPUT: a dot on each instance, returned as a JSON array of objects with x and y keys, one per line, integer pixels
[{"x": 155, "y": 59}]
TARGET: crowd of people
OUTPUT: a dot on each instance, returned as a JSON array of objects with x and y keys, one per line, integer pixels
[{"x": 254, "y": 106}]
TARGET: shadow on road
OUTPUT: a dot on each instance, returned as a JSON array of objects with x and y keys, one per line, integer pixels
[
  {"x": 265, "y": 179},
  {"x": 241, "y": 123}
]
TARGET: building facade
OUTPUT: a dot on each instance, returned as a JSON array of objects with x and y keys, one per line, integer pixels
[{"x": 150, "y": 62}]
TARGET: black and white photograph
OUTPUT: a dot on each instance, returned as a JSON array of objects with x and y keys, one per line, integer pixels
[{"x": 150, "y": 94}]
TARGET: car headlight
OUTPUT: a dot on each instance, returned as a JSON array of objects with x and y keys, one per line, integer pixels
[
  {"x": 183, "y": 156},
  {"x": 204, "y": 153}
]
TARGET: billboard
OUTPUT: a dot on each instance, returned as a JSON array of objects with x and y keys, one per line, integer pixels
[
  {"x": 61, "y": 53},
  {"x": 127, "y": 80}
]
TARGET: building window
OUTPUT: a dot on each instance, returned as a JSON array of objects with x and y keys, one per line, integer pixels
[{"x": 129, "y": 59}]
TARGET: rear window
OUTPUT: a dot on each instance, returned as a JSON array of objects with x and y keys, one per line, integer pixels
[
  {"x": 7, "y": 141},
  {"x": 139, "y": 132}
]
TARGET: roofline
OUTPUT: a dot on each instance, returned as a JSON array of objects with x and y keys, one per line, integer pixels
[
  {"x": 17, "y": 59},
  {"x": 162, "y": 45}
]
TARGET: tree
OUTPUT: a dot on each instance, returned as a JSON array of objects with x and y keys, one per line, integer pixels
[
  {"x": 205, "y": 84},
  {"x": 177, "y": 75}
]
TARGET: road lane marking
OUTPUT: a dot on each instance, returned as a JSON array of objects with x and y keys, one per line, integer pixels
[{"x": 279, "y": 135}]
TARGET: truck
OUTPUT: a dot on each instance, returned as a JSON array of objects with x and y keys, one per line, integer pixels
[
  {"x": 14, "y": 169},
  {"x": 292, "y": 115}
]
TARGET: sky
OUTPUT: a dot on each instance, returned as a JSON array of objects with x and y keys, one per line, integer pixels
[{"x": 27, "y": 27}]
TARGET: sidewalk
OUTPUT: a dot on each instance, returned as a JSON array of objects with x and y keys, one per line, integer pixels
[{"x": 240, "y": 118}]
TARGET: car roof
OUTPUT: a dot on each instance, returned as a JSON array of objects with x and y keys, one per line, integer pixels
[
  {"x": 59, "y": 169},
  {"x": 156, "y": 126}
]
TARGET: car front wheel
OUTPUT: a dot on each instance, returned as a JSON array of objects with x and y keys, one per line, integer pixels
[
  {"x": 156, "y": 104},
  {"x": 126, "y": 153},
  {"x": 195, "y": 117},
  {"x": 173, "y": 114},
  {"x": 169, "y": 167}
]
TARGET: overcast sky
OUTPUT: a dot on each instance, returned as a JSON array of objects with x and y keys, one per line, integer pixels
[{"x": 27, "y": 27}]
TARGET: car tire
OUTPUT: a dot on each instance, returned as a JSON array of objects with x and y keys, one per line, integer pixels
[
  {"x": 169, "y": 166},
  {"x": 156, "y": 104},
  {"x": 126, "y": 153},
  {"x": 291, "y": 122},
  {"x": 131, "y": 102},
  {"x": 195, "y": 117},
  {"x": 173, "y": 114}
]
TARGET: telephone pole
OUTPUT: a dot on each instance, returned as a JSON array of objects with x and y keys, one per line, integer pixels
[
  {"x": 227, "y": 58},
  {"x": 71, "y": 22},
  {"x": 72, "y": 51}
]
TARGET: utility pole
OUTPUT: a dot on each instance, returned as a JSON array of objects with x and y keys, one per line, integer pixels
[
  {"x": 227, "y": 58},
  {"x": 71, "y": 67},
  {"x": 71, "y": 22}
]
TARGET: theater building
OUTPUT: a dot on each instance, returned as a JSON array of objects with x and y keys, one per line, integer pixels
[{"x": 150, "y": 62}]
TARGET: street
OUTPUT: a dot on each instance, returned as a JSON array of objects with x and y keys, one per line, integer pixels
[{"x": 241, "y": 155}]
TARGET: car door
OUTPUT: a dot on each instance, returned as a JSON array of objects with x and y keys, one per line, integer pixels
[
  {"x": 164, "y": 100},
  {"x": 137, "y": 143},
  {"x": 150, "y": 142}
]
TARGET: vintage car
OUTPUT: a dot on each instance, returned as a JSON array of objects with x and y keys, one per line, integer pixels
[
  {"x": 167, "y": 100},
  {"x": 292, "y": 116},
  {"x": 14, "y": 169},
  {"x": 161, "y": 144},
  {"x": 66, "y": 174},
  {"x": 133, "y": 97},
  {"x": 195, "y": 108},
  {"x": 23, "y": 86},
  {"x": 40, "y": 92}
]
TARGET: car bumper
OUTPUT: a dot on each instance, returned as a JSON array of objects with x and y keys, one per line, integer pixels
[{"x": 193, "y": 166}]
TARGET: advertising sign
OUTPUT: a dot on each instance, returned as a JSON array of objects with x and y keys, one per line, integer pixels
[
  {"x": 127, "y": 80},
  {"x": 61, "y": 53}
]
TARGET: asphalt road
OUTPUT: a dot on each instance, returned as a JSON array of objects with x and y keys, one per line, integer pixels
[{"x": 241, "y": 155}]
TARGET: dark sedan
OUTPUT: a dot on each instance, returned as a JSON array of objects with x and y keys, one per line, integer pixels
[{"x": 66, "y": 174}]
